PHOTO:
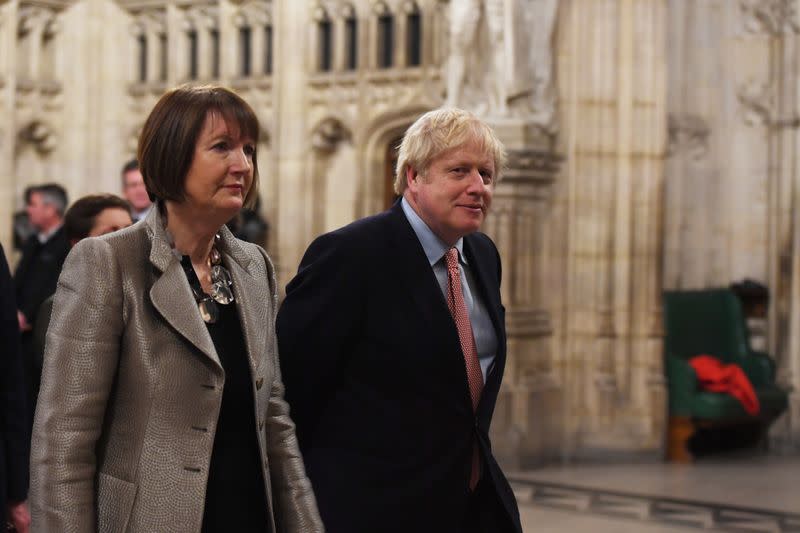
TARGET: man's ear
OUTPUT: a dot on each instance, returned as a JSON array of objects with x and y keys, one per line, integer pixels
[{"x": 411, "y": 177}]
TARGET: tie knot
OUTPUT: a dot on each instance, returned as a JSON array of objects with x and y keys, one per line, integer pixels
[{"x": 451, "y": 259}]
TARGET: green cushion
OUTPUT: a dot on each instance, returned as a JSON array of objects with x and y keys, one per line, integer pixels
[
  {"x": 705, "y": 322},
  {"x": 718, "y": 406}
]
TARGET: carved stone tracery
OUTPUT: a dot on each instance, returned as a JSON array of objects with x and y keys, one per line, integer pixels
[{"x": 773, "y": 17}]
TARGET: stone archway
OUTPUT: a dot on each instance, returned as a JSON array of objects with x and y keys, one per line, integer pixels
[{"x": 384, "y": 133}]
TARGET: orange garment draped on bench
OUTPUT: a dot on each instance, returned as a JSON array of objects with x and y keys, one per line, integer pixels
[{"x": 716, "y": 376}]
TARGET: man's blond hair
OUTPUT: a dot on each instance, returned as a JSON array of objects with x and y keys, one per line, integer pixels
[{"x": 441, "y": 130}]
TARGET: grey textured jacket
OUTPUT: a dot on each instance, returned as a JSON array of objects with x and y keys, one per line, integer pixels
[{"x": 130, "y": 373}]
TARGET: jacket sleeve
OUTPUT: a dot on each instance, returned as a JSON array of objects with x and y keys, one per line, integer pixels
[
  {"x": 80, "y": 363},
  {"x": 294, "y": 505}
]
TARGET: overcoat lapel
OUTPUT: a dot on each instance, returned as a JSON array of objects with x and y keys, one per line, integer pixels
[
  {"x": 481, "y": 268},
  {"x": 420, "y": 283},
  {"x": 171, "y": 294},
  {"x": 252, "y": 305}
]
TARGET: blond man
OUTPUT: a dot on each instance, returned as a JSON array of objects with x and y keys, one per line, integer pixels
[{"x": 392, "y": 343}]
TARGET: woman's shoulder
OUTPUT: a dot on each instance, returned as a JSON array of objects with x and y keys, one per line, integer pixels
[{"x": 127, "y": 244}]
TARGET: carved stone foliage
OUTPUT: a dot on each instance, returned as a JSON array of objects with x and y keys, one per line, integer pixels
[
  {"x": 688, "y": 134},
  {"x": 756, "y": 103},
  {"x": 39, "y": 135},
  {"x": 773, "y": 17},
  {"x": 328, "y": 134}
]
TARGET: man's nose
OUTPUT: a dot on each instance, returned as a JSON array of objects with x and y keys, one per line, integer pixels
[{"x": 476, "y": 184}]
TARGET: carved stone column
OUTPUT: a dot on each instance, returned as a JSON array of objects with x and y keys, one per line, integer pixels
[
  {"x": 529, "y": 406},
  {"x": 8, "y": 52},
  {"x": 775, "y": 107},
  {"x": 294, "y": 201},
  {"x": 606, "y": 247}
]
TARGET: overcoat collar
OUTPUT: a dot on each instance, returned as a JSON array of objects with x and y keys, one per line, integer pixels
[{"x": 172, "y": 296}]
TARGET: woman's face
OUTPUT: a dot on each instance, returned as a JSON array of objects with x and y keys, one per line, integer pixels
[
  {"x": 222, "y": 168},
  {"x": 110, "y": 219}
]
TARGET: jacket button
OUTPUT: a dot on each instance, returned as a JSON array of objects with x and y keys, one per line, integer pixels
[{"x": 259, "y": 383}]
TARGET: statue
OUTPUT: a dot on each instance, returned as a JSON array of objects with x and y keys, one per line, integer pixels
[
  {"x": 543, "y": 17},
  {"x": 466, "y": 17},
  {"x": 501, "y": 58}
]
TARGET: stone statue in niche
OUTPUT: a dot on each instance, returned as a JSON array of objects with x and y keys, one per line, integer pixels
[
  {"x": 477, "y": 62},
  {"x": 542, "y": 16},
  {"x": 501, "y": 58}
]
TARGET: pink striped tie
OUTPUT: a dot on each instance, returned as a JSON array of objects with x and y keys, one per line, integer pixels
[{"x": 455, "y": 301}]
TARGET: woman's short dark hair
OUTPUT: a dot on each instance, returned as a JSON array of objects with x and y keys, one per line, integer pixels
[
  {"x": 170, "y": 133},
  {"x": 79, "y": 219}
]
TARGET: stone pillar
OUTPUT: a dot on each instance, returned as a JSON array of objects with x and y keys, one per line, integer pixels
[
  {"x": 605, "y": 252},
  {"x": 8, "y": 77},
  {"x": 529, "y": 406},
  {"x": 291, "y": 140},
  {"x": 776, "y": 106}
]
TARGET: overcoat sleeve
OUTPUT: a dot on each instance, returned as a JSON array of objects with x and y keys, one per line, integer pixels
[
  {"x": 83, "y": 345},
  {"x": 315, "y": 326},
  {"x": 294, "y": 504}
]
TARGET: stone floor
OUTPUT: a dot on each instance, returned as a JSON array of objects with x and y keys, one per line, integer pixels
[{"x": 750, "y": 494}]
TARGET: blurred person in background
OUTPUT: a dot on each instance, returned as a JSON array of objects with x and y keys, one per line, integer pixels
[
  {"x": 134, "y": 190},
  {"x": 89, "y": 216},
  {"x": 161, "y": 406},
  {"x": 14, "y": 441},
  {"x": 39, "y": 267}
]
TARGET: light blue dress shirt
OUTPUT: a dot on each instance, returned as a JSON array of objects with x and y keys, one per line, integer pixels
[{"x": 435, "y": 249}]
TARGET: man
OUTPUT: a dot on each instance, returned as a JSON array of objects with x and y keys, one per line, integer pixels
[
  {"x": 39, "y": 267},
  {"x": 14, "y": 437},
  {"x": 134, "y": 190},
  {"x": 392, "y": 344},
  {"x": 43, "y": 253},
  {"x": 90, "y": 216}
]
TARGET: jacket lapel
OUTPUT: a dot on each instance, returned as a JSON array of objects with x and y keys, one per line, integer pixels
[
  {"x": 252, "y": 304},
  {"x": 482, "y": 269},
  {"x": 421, "y": 285},
  {"x": 171, "y": 294}
]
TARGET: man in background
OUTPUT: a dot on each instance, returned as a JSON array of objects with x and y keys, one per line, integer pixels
[
  {"x": 43, "y": 255},
  {"x": 134, "y": 190}
]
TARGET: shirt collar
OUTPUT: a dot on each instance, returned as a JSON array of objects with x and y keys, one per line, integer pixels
[
  {"x": 433, "y": 245},
  {"x": 45, "y": 236}
]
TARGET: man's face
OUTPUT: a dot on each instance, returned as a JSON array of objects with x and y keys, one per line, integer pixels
[
  {"x": 456, "y": 192},
  {"x": 39, "y": 212},
  {"x": 135, "y": 191}
]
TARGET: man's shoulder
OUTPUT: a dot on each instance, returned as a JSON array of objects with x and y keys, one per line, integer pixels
[
  {"x": 481, "y": 243},
  {"x": 371, "y": 230}
]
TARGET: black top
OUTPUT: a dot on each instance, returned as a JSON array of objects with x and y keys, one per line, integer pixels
[{"x": 235, "y": 496}]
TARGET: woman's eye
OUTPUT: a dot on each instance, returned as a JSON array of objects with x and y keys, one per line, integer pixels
[
  {"x": 249, "y": 149},
  {"x": 222, "y": 145}
]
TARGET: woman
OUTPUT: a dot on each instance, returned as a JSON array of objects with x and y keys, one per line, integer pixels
[
  {"x": 90, "y": 216},
  {"x": 161, "y": 405}
]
